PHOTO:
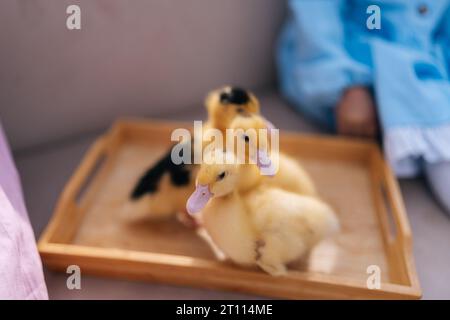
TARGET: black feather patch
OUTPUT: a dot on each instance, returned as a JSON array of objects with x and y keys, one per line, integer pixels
[
  {"x": 234, "y": 96},
  {"x": 180, "y": 175}
]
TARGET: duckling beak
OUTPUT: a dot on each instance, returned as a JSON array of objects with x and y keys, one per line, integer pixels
[
  {"x": 198, "y": 200},
  {"x": 264, "y": 163},
  {"x": 262, "y": 159}
]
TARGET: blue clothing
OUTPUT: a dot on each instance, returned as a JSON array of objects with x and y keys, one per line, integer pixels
[{"x": 326, "y": 47}]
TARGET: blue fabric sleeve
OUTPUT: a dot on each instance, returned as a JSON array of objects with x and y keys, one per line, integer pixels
[{"x": 314, "y": 65}]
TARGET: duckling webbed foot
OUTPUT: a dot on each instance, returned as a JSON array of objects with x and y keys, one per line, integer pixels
[
  {"x": 202, "y": 233},
  {"x": 272, "y": 267}
]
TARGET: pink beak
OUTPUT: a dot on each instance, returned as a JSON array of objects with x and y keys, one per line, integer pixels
[
  {"x": 198, "y": 200},
  {"x": 264, "y": 164},
  {"x": 263, "y": 160}
]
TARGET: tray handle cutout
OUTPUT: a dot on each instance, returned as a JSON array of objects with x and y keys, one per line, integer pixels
[
  {"x": 85, "y": 172},
  {"x": 67, "y": 206},
  {"x": 398, "y": 224}
]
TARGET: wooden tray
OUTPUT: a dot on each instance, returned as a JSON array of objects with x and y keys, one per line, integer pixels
[{"x": 350, "y": 175}]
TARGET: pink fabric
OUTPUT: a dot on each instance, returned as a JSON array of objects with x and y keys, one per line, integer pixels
[{"x": 21, "y": 274}]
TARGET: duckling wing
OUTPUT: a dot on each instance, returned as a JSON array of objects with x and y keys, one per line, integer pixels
[
  {"x": 291, "y": 176},
  {"x": 291, "y": 218},
  {"x": 227, "y": 223}
]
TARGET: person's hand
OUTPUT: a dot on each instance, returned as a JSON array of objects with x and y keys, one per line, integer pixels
[{"x": 356, "y": 114}]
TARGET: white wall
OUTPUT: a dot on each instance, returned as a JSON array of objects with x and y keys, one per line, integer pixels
[{"x": 139, "y": 57}]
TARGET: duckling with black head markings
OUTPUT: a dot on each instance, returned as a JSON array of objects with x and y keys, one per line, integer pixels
[
  {"x": 224, "y": 104},
  {"x": 265, "y": 226}
]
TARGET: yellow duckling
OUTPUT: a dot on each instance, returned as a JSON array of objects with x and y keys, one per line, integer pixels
[
  {"x": 225, "y": 103},
  {"x": 288, "y": 174},
  {"x": 265, "y": 226},
  {"x": 163, "y": 189}
]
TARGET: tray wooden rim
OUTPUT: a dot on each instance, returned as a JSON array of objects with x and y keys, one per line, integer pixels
[{"x": 96, "y": 260}]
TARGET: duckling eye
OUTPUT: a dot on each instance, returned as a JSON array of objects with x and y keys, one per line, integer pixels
[{"x": 221, "y": 175}]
